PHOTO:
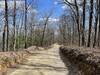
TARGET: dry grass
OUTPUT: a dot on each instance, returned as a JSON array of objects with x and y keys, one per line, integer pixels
[
  {"x": 10, "y": 59},
  {"x": 87, "y": 59}
]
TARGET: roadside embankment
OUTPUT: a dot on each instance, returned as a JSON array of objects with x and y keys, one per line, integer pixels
[
  {"x": 86, "y": 60},
  {"x": 10, "y": 59}
]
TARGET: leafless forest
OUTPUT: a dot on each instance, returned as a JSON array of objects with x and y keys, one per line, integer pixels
[
  {"x": 22, "y": 26},
  {"x": 78, "y": 25}
]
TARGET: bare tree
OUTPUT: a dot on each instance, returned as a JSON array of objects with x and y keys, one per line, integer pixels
[
  {"x": 14, "y": 25},
  {"x": 75, "y": 9},
  {"x": 25, "y": 24},
  {"x": 45, "y": 25},
  {"x": 83, "y": 29},
  {"x": 99, "y": 25},
  {"x": 78, "y": 21},
  {"x": 6, "y": 29},
  {"x": 63, "y": 28},
  {"x": 90, "y": 22},
  {"x": 96, "y": 22}
]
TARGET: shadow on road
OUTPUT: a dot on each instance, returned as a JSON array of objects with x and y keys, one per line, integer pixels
[
  {"x": 58, "y": 66},
  {"x": 39, "y": 66},
  {"x": 71, "y": 67}
]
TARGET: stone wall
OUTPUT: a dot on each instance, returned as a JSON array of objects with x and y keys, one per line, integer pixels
[{"x": 86, "y": 60}]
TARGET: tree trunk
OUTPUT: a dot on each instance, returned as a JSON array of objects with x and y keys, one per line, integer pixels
[
  {"x": 25, "y": 24},
  {"x": 14, "y": 25},
  {"x": 96, "y": 22},
  {"x": 44, "y": 31},
  {"x": 77, "y": 20},
  {"x": 6, "y": 17},
  {"x": 6, "y": 29},
  {"x": 99, "y": 26},
  {"x": 83, "y": 29},
  {"x": 4, "y": 43},
  {"x": 90, "y": 23}
]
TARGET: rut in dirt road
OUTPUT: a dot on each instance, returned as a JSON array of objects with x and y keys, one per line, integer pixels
[{"x": 44, "y": 62}]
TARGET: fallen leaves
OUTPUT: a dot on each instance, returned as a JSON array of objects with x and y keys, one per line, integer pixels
[{"x": 10, "y": 59}]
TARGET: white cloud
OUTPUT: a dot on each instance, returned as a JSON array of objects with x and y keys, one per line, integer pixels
[
  {"x": 50, "y": 19},
  {"x": 53, "y": 19},
  {"x": 64, "y": 7},
  {"x": 55, "y": 3}
]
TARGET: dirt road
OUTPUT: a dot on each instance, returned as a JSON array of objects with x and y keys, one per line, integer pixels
[{"x": 44, "y": 62}]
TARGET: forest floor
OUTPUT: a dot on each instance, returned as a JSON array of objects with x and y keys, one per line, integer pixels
[{"x": 44, "y": 62}]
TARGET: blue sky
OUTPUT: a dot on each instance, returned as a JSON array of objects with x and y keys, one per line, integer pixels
[
  {"x": 47, "y": 5},
  {"x": 43, "y": 6}
]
